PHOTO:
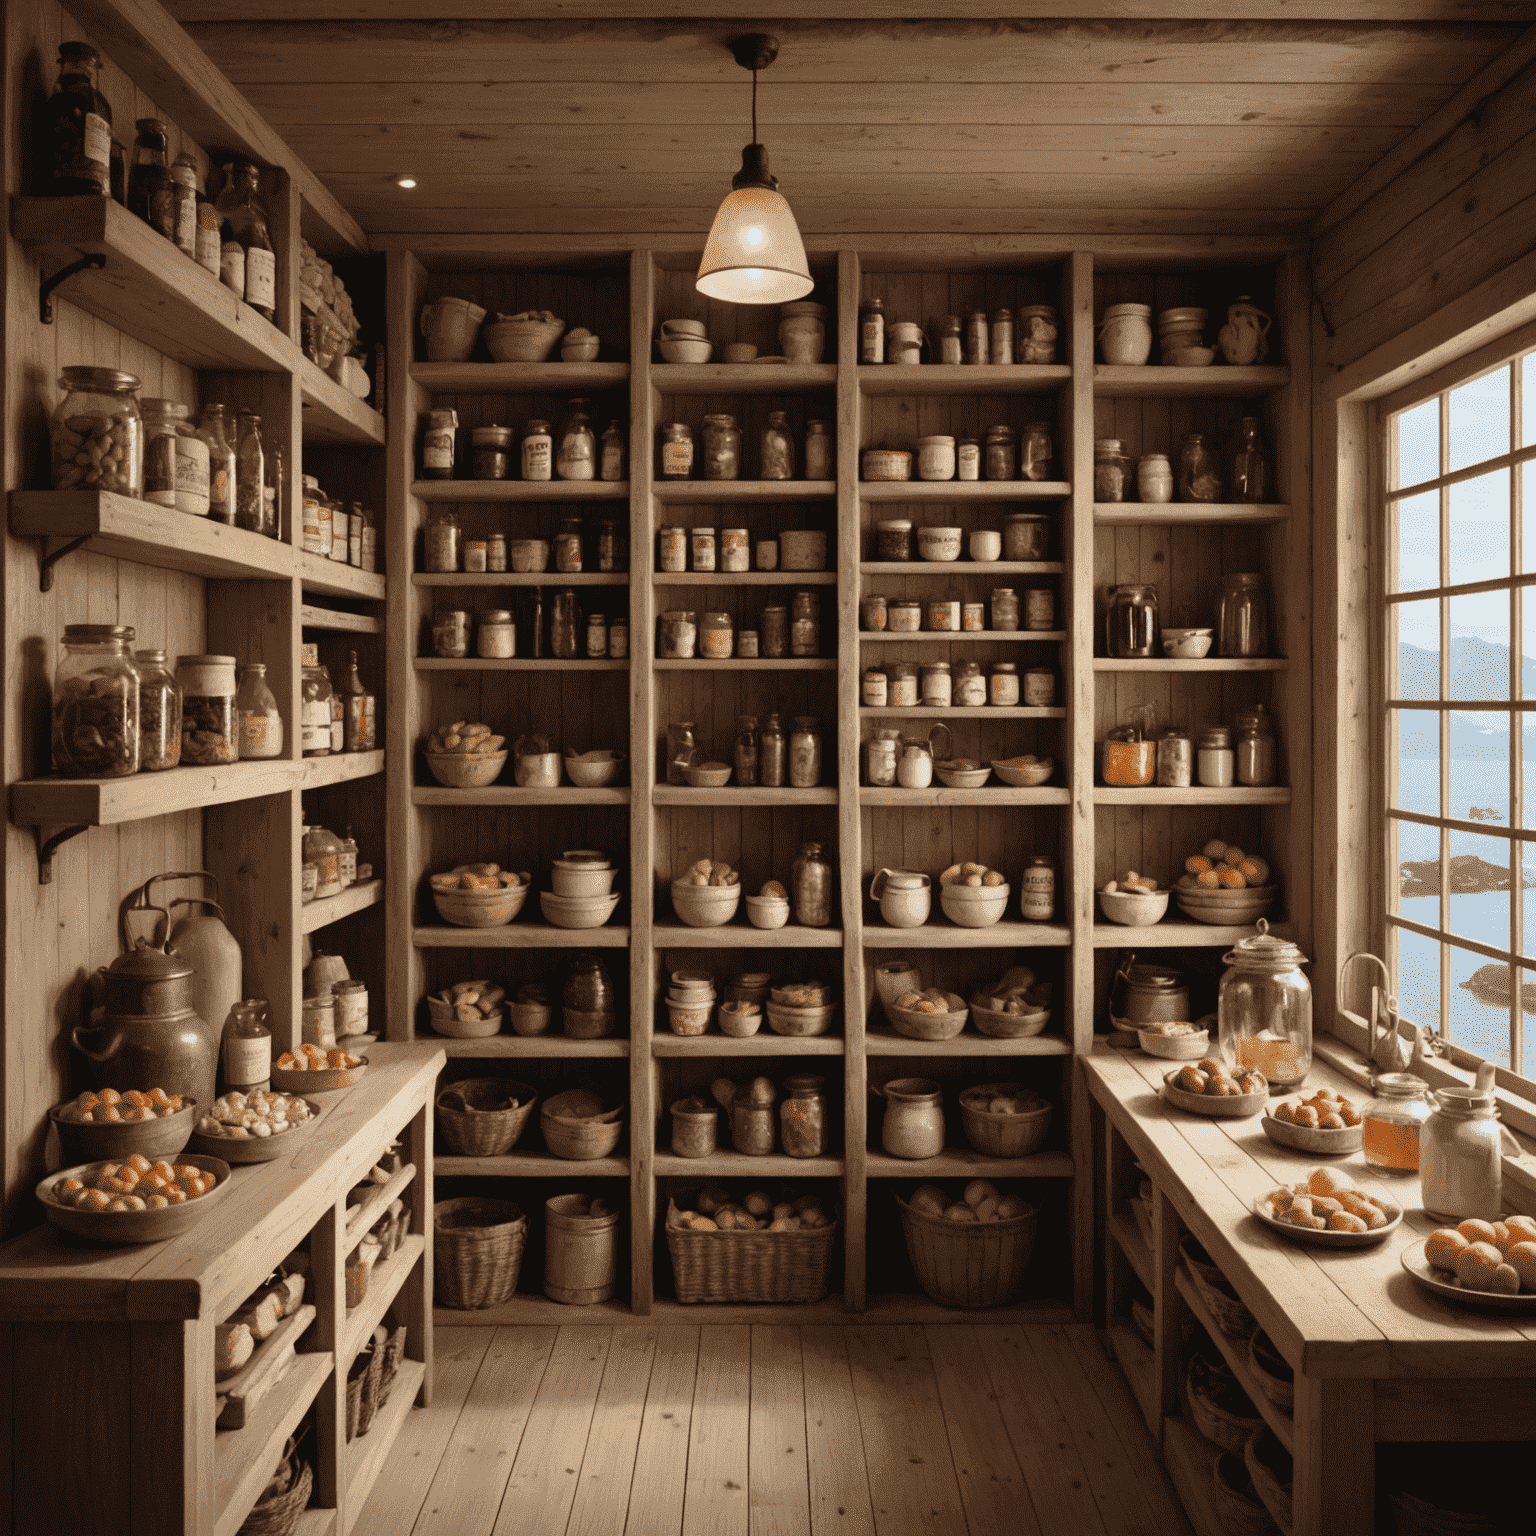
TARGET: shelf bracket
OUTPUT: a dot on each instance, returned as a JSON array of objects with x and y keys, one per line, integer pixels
[
  {"x": 46, "y": 850},
  {"x": 45, "y": 293},
  {"x": 45, "y": 575}
]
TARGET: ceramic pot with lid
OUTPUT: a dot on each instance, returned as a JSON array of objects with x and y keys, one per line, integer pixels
[
  {"x": 1152, "y": 994},
  {"x": 905, "y": 896}
]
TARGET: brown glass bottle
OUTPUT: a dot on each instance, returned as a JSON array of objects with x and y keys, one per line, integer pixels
[
  {"x": 151, "y": 192},
  {"x": 74, "y": 129},
  {"x": 244, "y": 229}
]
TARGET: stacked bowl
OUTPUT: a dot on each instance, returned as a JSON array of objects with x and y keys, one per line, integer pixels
[
  {"x": 582, "y": 894},
  {"x": 690, "y": 1002},
  {"x": 1181, "y": 335}
]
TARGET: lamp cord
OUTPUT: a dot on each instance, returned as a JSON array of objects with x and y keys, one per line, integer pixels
[{"x": 754, "y": 106}]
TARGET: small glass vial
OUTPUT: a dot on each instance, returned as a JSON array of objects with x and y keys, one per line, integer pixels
[
  {"x": 970, "y": 687},
  {"x": 968, "y": 459},
  {"x": 441, "y": 541},
  {"x": 538, "y": 453},
  {"x": 819, "y": 463},
  {"x": 1175, "y": 759},
  {"x": 872, "y": 692},
  {"x": 612, "y": 546},
  {"x": 1005, "y": 609},
  {"x": 703, "y": 549},
  {"x": 676, "y": 451},
  {"x": 1039, "y": 688},
  {"x": 437, "y": 445},
  {"x": 349, "y": 852},
  {"x": 1003, "y": 684},
  {"x": 871, "y": 331},
  {"x": 978, "y": 338},
  {"x": 1002, "y": 456},
  {"x": 1037, "y": 896},
  {"x": 1002, "y": 337},
  {"x": 935, "y": 685},
  {"x": 1250, "y": 464},
  {"x": 1214, "y": 758}
]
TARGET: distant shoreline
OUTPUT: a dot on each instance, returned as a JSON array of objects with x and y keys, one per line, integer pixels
[{"x": 1470, "y": 876}]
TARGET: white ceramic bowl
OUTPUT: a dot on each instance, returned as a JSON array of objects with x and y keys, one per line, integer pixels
[
  {"x": 768, "y": 911},
  {"x": 972, "y": 906},
  {"x": 1191, "y": 647},
  {"x": 939, "y": 544},
  {"x": 1138, "y": 909},
  {"x": 581, "y": 882},
  {"x": 685, "y": 350},
  {"x": 705, "y": 906},
  {"x": 986, "y": 545},
  {"x": 576, "y": 911},
  {"x": 1175, "y": 1047},
  {"x": 582, "y": 350},
  {"x": 593, "y": 770}
]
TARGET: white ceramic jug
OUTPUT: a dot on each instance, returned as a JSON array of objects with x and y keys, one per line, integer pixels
[{"x": 1244, "y": 338}]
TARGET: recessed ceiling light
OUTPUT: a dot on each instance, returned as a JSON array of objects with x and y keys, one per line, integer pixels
[{"x": 405, "y": 181}]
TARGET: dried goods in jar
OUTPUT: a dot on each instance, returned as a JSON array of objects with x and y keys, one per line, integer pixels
[
  {"x": 159, "y": 713},
  {"x": 96, "y": 704},
  {"x": 97, "y": 433},
  {"x": 210, "y": 731}
]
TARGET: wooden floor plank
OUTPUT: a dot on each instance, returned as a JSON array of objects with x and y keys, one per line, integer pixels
[
  {"x": 403, "y": 1482},
  {"x": 992, "y": 1486},
  {"x": 542, "y": 1487},
  {"x": 779, "y": 1501},
  {"x": 661, "y": 1462},
  {"x": 716, "y": 1502},
  {"x": 834, "y": 1449},
  {"x": 911, "y": 1477},
  {"x": 466, "y": 1493},
  {"x": 602, "y": 1492}
]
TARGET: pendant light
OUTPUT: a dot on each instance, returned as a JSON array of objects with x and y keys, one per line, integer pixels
[{"x": 754, "y": 254}]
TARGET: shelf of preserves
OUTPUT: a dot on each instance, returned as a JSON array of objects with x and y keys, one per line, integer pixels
[
  {"x": 939, "y": 933},
  {"x": 512, "y": 794},
  {"x": 739, "y": 934},
  {"x": 744, "y": 578},
  {"x": 1221, "y": 382},
  {"x": 521, "y": 935},
  {"x": 519, "y": 378},
  {"x": 675, "y": 794},
  {"x": 520, "y": 490},
  {"x": 124, "y": 528},
  {"x": 953, "y": 568},
  {"x": 884, "y": 1041},
  {"x": 531, "y": 1165},
  {"x": 741, "y": 1165},
  {"x": 1178, "y": 933},
  {"x": 763, "y": 1043},
  {"x": 515, "y": 664},
  {"x": 520, "y": 579},
  {"x": 383, "y": 1286},
  {"x": 311, "y": 616},
  {"x": 367, "y": 1454},
  {"x": 541, "y": 1046},
  {"x": 988, "y": 795},
  {"x": 317, "y": 574},
  {"x": 964, "y": 490},
  {"x": 963, "y": 1163},
  {"x": 332, "y": 414},
  {"x": 672, "y": 492},
  {"x": 148, "y": 289},
  {"x": 742, "y": 378},
  {"x": 751, "y": 664},
  {"x": 1127, "y": 1235},
  {"x": 964, "y": 379},
  {"x": 314, "y": 915},
  {"x": 962, "y": 712},
  {"x": 1196, "y": 794},
  {"x": 1207, "y": 664},
  {"x": 962, "y": 637},
  {"x": 1129, "y": 514}
]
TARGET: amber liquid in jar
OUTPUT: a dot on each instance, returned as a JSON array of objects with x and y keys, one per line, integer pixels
[{"x": 1391, "y": 1145}]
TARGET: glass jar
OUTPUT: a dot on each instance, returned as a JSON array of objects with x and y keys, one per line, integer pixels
[
  {"x": 1250, "y": 464},
  {"x": 676, "y": 451},
  {"x": 805, "y": 753},
  {"x": 936, "y": 458},
  {"x": 803, "y": 1116},
  {"x": 151, "y": 192},
  {"x": 1037, "y": 895},
  {"x": 951, "y": 330},
  {"x": 1392, "y": 1122},
  {"x": 97, "y": 432},
  {"x": 1005, "y": 609},
  {"x": 442, "y": 540},
  {"x": 1126, "y": 761},
  {"x": 1242, "y": 616},
  {"x": 1175, "y": 759},
  {"x": 175, "y": 458},
  {"x": 1214, "y": 757},
  {"x": 219, "y": 434},
  {"x": 871, "y": 331},
  {"x": 159, "y": 713},
  {"x": 1264, "y": 1010},
  {"x": 772, "y": 755},
  {"x": 496, "y": 635},
  {"x": 576, "y": 457},
  {"x": 1036, "y": 452},
  {"x": 904, "y": 616},
  {"x": 773, "y": 632},
  {"x": 1039, "y": 609},
  {"x": 812, "y": 892},
  {"x": 717, "y": 636},
  {"x": 437, "y": 445},
  {"x": 970, "y": 687},
  {"x": 778, "y": 460},
  {"x": 1130, "y": 622},
  {"x": 751, "y": 1126},
  {"x": 490, "y": 453},
  {"x": 1039, "y": 688},
  {"x": 1001, "y": 350},
  {"x": 722, "y": 448},
  {"x": 567, "y": 542},
  {"x": 323, "y": 850},
  {"x": 1199, "y": 476},
  {"x": 935, "y": 685},
  {"x": 1154, "y": 478},
  {"x": 72, "y": 139},
  {"x": 978, "y": 338},
  {"x": 744, "y": 751},
  {"x": 613, "y": 454},
  {"x": 1003, "y": 684},
  {"x": 894, "y": 538},
  {"x": 872, "y": 616},
  {"x": 251, "y": 484},
  {"x": 735, "y": 550},
  {"x": 703, "y": 540},
  {"x": 315, "y": 701},
  {"x": 872, "y": 693},
  {"x": 538, "y": 451},
  {"x": 1002, "y": 453},
  {"x": 477, "y": 554},
  {"x": 973, "y": 618},
  {"x": 805, "y": 623},
  {"x": 1034, "y": 337},
  {"x": 943, "y": 615},
  {"x": 682, "y": 749},
  {"x": 210, "y": 728},
  {"x": 597, "y": 636},
  {"x": 968, "y": 458},
  {"x": 261, "y": 722},
  {"x": 565, "y": 626},
  {"x": 612, "y": 546},
  {"x": 1112, "y": 470},
  {"x": 96, "y": 716},
  {"x": 677, "y": 635},
  {"x": 1025, "y": 535},
  {"x": 450, "y": 633},
  {"x": 672, "y": 549},
  {"x": 880, "y": 753},
  {"x": 819, "y": 460},
  {"x": 1461, "y": 1153},
  {"x": 495, "y": 553},
  {"x": 1254, "y": 747},
  {"x": 901, "y": 690}
]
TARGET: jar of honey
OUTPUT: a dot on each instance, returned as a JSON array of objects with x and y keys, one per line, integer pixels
[
  {"x": 1127, "y": 760},
  {"x": 1391, "y": 1122}
]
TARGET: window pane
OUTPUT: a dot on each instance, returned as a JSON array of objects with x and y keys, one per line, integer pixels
[
  {"x": 1418, "y": 968},
  {"x": 1480, "y": 646},
  {"x": 1418, "y": 649},
  {"x": 1480, "y": 1003},
  {"x": 1418, "y": 541},
  {"x": 1527, "y": 473},
  {"x": 1416, "y": 733},
  {"x": 1479, "y": 533},
  {"x": 1418, "y": 444},
  {"x": 1480, "y": 893},
  {"x": 1479, "y": 767},
  {"x": 1528, "y": 399},
  {"x": 1479, "y": 427}
]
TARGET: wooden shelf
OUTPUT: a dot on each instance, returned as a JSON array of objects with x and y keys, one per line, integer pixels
[
  {"x": 963, "y": 1163},
  {"x": 544, "y": 1047},
  {"x": 740, "y": 934},
  {"x": 338, "y": 768},
  {"x": 750, "y": 664},
  {"x": 1190, "y": 1459},
  {"x": 988, "y": 794},
  {"x": 1129, "y": 514},
  {"x": 949, "y": 569},
  {"x": 148, "y": 288},
  {"x": 763, "y": 1043},
  {"x": 939, "y": 933},
  {"x": 1219, "y": 381},
  {"x": 963, "y": 379},
  {"x": 511, "y": 794},
  {"x": 332, "y": 414},
  {"x": 313, "y": 617},
  {"x": 520, "y": 490},
  {"x": 361, "y": 1218},
  {"x": 675, "y": 492},
  {"x": 244, "y": 1458},
  {"x": 521, "y": 934},
  {"x": 882, "y": 1040},
  {"x": 383, "y": 1286},
  {"x": 123, "y": 528},
  {"x": 314, "y": 915},
  {"x": 744, "y": 578},
  {"x": 737, "y": 1165},
  {"x": 1208, "y": 664},
  {"x": 530, "y": 1165},
  {"x": 1178, "y": 933},
  {"x": 1127, "y": 1236},
  {"x": 365, "y": 1456},
  {"x": 741, "y": 378},
  {"x": 1196, "y": 794},
  {"x": 320, "y": 575},
  {"x": 555, "y": 378},
  {"x": 960, "y": 636},
  {"x": 520, "y": 579},
  {"x": 57, "y": 802},
  {"x": 964, "y": 490},
  {"x": 675, "y": 794},
  {"x": 961, "y": 712},
  {"x": 515, "y": 664}
]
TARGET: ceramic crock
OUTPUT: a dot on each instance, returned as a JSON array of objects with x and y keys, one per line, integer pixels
[
  {"x": 905, "y": 896},
  {"x": 914, "y": 1117}
]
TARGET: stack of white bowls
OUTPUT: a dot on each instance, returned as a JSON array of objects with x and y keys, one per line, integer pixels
[{"x": 690, "y": 1002}]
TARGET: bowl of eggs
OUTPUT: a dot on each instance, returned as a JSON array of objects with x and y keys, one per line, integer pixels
[
  {"x": 1004, "y": 1119},
  {"x": 1224, "y": 885},
  {"x": 1135, "y": 901},
  {"x": 138, "y": 1200},
  {"x": 708, "y": 895},
  {"x": 928, "y": 1015},
  {"x": 1326, "y": 1123},
  {"x": 1489, "y": 1264},
  {"x": 253, "y": 1128},
  {"x": 972, "y": 895},
  {"x": 107, "y": 1124}
]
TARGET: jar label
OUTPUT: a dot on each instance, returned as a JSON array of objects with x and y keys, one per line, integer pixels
[
  {"x": 96, "y": 139},
  {"x": 538, "y": 458},
  {"x": 247, "y": 1060},
  {"x": 437, "y": 450},
  {"x": 1039, "y": 689},
  {"x": 160, "y": 470},
  {"x": 349, "y": 868},
  {"x": 207, "y": 247},
  {"x": 260, "y": 278},
  {"x": 232, "y": 267},
  {"x": 676, "y": 459},
  {"x": 315, "y": 725},
  {"x": 261, "y": 735},
  {"x": 191, "y": 467}
]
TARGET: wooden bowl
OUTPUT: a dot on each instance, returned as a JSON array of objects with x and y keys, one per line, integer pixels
[
  {"x": 594, "y": 770},
  {"x": 480, "y": 909},
  {"x": 465, "y": 770},
  {"x": 1138, "y": 910},
  {"x": 120, "y": 1228},
  {"x": 154, "y": 1139},
  {"x": 1322, "y": 1140},
  {"x": 799, "y": 1021},
  {"x": 1002, "y": 1135},
  {"x": 1008, "y": 1026},
  {"x": 577, "y": 911},
  {"x": 972, "y": 906},
  {"x": 1025, "y": 775},
  {"x": 768, "y": 911},
  {"x": 256, "y": 1149},
  {"x": 1175, "y": 1047},
  {"x": 929, "y": 1026},
  {"x": 1238, "y": 1107},
  {"x": 322, "y": 1080},
  {"x": 962, "y": 778},
  {"x": 708, "y": 775},
  {"x": 521, "y": 341},
  {"x": 705, "y": 906},
  {"x": 1225, "y": 908}
]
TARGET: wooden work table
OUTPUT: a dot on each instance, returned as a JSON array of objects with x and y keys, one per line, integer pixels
[{"x": 1376, "y": 1357}]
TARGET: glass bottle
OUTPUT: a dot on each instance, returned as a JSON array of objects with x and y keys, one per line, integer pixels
[
  {"x": 778, "y": 461},
  {"x": 338, "y": 714},
  {"x": 722, "y": 447},
  {"x": 951, "y": 346},
  {"x": 244, "y": 233},
  {"x": 1130, "y": 622},
  {"x": 159, "y": 713},
  {"x": 272, "y": 497},
  {"x": 820, "y": 463},
  {"x": 871, "y": 331},
  {"x": 349, "y": 853},
  {"x": 682, "y": 749},
  {"x": 568, "y": 544},
  {"x": 615, "y": 453},
  {"x": 1391, "y": 1123},
  {"x": 811, "y": 887},
  {"x": 96, "y": 704},
  {"x": 184, "y": 199},
  {"x": 805, "y": 754},
  {"x": 250, "y": 475},
  {"x": 1255, "y": 746},
  {"x": 880, "y": 753},
  {"x": 205, "y": 235},
  {"x": 745, "y": 752},
  {"x": 803, "y": 1116},
  {"x": 442, "y": 540},
  {"x": 315, "y": 705},
  {"x": 323, "y": 848},
  {"x": 564, "y": 626},
  {"x": 772, "y": 754},
  {"x": 1264, "y": 1009},
  {"x": 151, "y": 193},
  {"x": 74, "y": 129},
  {"x": 223, "y": 476},
  {"x": 576, "y": 458},
  {"x": 359, "y": 710},
  {"x": 247, "y": 1048},
  {"x": 1250, "y": 464},
  {"x": 97, "y": 432},
  {"x": 1242, "y": 623},
  {"x": 1199, "y": 472},
  {"x": 1035, "y": 452},
  {"x": 261, "y": 722}
]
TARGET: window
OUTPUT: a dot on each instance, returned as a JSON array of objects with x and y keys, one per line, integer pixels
[{"x": 1460, "y": 706}]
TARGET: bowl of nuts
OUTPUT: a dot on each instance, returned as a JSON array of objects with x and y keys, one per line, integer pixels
[
  {"x": 465, "y": 755},
  {"x": 928, "y": 1015},
  {"x": 708, "y": 895},
  {"x": 480, "y": 895},
  {"x": 972, "y": 895}
]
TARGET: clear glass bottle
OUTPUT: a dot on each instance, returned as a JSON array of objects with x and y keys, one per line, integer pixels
[
  {"x": 820, "y": 461},
  {"x": 183, "y": 175},
  {"x": 315, "y": 705},
  {"x": 805, "y": 753},
  {"x": 151, "y": 192},
  {"x": 1264, "y": 1009},
  {"x": 1250, "y": 464},
  {"x": 210, "y": 729},
  {"x": 359, "y": 710},
  {"x": 96, "y": 704},
  {"x": 615, "y": 453},
  {"x": 247, "y": 1048},
  {"x": 745, "y": 751},
  {"x": 772, "y": 754},
  {"x": 250, "y": 475},
  {"x": 1005, "y": 609},
  {"x": 812, "y": 890},
  {"x": 261, "y": 722},
  {"x": 246, "y": 240},
  {"x": 349, "y": 851},
  {"x": 438, "y": 445},
  {"x": 803, "y": 1116},
  {"x": 223, "y": 474},
  {"x": 682, "y": 750},
  {"x": 576, "y": 458},
  {"x": 73, "y": 134},
  {"x": 1000, "y": 459},
  {"x": 722, "y": 447},
  {"x": 97, "y": 432},
  {"x": 1392, "y": 1123},
  {"x": 565, "y": 626},
  {"x": 1199, "y": 470},
  {"x": 778, "y": 460},
  {"x": 323, "y": 849},
  {"x": 1242, "y": 622},
  {"x": 159, "y": 713},
  {"x": 1255, "y": 746},
  {"x": 272, "y": 497}
]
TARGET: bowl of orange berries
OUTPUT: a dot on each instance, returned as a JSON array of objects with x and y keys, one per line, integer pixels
[
  {"x": 1327, "y": 1123},
  {"x": 316, "y": 1069},
  {"x": 138, "y": 1200},
  {"x": 106, "y": 1124},
  {"x": 1484, "y": 1263},
  {"x": 1224, "y": 885}
]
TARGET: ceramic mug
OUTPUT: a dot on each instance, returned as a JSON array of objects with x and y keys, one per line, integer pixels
[
  {"x": 905, "y": 897},
  {"x": 904, "y": 342},
  {"x": 452, "y": 327}
]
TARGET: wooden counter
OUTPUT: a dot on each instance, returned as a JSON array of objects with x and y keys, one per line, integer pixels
[{"x": 1376, "y": 1357}]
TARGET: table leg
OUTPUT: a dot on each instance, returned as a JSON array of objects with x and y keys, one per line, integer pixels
[
  {"x": 1167, "y": 1304},
  {"x": 1335, "y": 1456}
]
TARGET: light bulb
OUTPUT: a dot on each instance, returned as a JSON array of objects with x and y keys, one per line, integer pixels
[
  {"x": 754, "y": 236},
  {"x": 405, "y": 181}
]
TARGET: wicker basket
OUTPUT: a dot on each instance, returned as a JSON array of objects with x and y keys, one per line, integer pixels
[
  {"x": 363, "y": 1380},
  {"x": 484, "y": 1127},
  {"x": 279, "y": 1515},
  {"x": 394, "y": 1353},
  {"x": 477, "y": 1251},
  {"x": 582, "y": 1140},
  {"x": 1216, "y": 1403},
  {"x": 1232, "y": 1317},
  {"x": 750, "y": 1266},
  {"x": 1242, "y": 1512},
  {"x": 969, "y": 1264},
  {"x": 1413, "y": 1516},
  {"x": 1277, "y": 1381},
  {"x": 1002, "y": 1135},
  {"x": 1269, "y": 1465}
]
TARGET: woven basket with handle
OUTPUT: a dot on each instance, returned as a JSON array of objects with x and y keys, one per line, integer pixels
[{"x": 475, "y": 1119}]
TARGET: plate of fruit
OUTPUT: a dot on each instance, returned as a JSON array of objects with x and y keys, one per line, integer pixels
[
  {"x": 1210, "y": 1087},
  {"x": 1329, "y": 1209},
  {"x": 1490, "y": 1264}
]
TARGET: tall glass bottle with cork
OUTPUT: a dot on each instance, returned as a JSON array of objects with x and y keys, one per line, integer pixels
[{"x": 247, "y": 262}]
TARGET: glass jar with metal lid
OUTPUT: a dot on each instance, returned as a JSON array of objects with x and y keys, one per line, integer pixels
[
  {"x": 496, "y": 638},
  {"x": 1254, "y": 747},
  {"x": 676, "y": 451},
  {"x": 894, "y": 538},
  {"x": 704, "y": 549},
  {"x": 1003, "y": 684},
  {"x": 1005, "y": 609},
  {"x": 717, "y": 636},
  {"x": 677, "y": 635},
  {"x": 672, "y": 549},
  {"x": 805, "y": 623},
  {"x": 96, "y": 703},
  {"x": 970, "y": 687},
  {"x": 1113, "y": 470},
  {"x": 1130, "y": 622},
  {"x": 805, "y": 753},
  {"x": 1264, "y": 1009},
  {"x": 773, "y": 631},
  {"x": 210, "y": 726},
  {"x": 1002, "y": 453},
  {"x": 803, "y": 1116},
  {"x": 441, "y": 541},
  {"x": 872, "y": 612},
  {"x": 1214, "y": 758},
  {"x": 722, "y": 447},
  {"x": 159, "y": 713},
  {"x": 904, "y": 616},
  {"x": 1392, "y": 1123},
  {"x": 568, "y": 544},
  {"x": 901, "y": 690},
  {"x": 97, "y": 432}
]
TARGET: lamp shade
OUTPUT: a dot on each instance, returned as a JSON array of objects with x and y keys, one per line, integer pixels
[{"x": 754, "y": 254}]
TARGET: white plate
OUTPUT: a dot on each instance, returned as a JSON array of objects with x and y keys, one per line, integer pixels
[
  {"x": 1440, "y": 1282},
  {"x": 1260, "y": 1208}
]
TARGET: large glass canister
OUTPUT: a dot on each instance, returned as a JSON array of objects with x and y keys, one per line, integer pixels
[
  {"x": 97, "y": 432},
  {"x": 1392, "y": 1122},
  {"x": 1130, "y": 622},
  {"x": 1264, "y": 1009},
  {"x": 96, "y": 704},
  {"x": 1242, "y": 623}
]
